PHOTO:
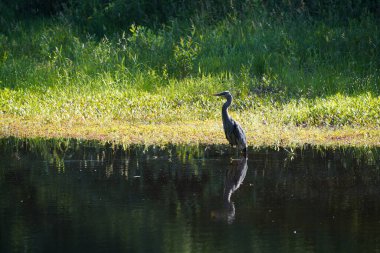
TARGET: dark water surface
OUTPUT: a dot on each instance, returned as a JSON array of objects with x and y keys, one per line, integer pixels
[{"x": 82, "y": 197}]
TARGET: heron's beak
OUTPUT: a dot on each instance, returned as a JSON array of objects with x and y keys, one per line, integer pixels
[{"x": 219, "y": 94}]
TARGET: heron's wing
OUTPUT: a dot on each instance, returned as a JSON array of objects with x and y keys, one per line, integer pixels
[
  {"x": 239, "y": 135},
  {"x": 230, "y": 131}
]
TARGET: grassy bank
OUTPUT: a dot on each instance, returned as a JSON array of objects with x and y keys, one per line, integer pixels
[
  {"x": 295, "y": 80},
  {"x": 207, "y": 132}
]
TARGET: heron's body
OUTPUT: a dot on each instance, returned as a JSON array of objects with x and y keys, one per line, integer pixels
[{"x": 233, "y": 131}]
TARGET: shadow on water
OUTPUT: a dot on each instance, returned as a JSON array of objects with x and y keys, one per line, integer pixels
[{"x": 74, "y": 196}]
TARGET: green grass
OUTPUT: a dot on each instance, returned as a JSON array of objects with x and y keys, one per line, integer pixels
[{"x": 282, "y": 71}]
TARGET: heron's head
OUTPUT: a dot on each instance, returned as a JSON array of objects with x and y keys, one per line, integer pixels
[{"x": 225, "y": 94}]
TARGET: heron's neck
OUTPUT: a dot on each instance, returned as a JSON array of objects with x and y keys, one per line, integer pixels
[{"x": 225, "y": 115}]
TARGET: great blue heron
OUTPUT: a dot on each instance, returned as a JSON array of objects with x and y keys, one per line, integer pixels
[{"x": 233, "y": 131}]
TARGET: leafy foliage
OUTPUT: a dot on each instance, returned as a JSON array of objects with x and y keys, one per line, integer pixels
[{"x": 282, "y": 68}]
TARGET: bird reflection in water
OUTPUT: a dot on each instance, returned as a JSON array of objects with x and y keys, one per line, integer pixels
[{"x": 233, "y": 179}]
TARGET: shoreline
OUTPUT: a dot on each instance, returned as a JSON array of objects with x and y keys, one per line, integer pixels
[{"x": 207, "y": 132}]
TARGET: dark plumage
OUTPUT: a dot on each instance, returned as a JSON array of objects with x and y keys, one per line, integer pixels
[{"x": 233, "y": 131}]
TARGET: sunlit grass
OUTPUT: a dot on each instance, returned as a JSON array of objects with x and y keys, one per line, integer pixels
[
  {"x": 186, "y": 101},
  {"x": 195, "y": 132}
]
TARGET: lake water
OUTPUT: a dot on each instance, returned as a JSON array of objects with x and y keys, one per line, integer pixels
[{"x": 83, "y": 197}]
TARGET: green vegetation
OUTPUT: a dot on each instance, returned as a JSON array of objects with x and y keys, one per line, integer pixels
[{"x": 288, "y": 67}]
